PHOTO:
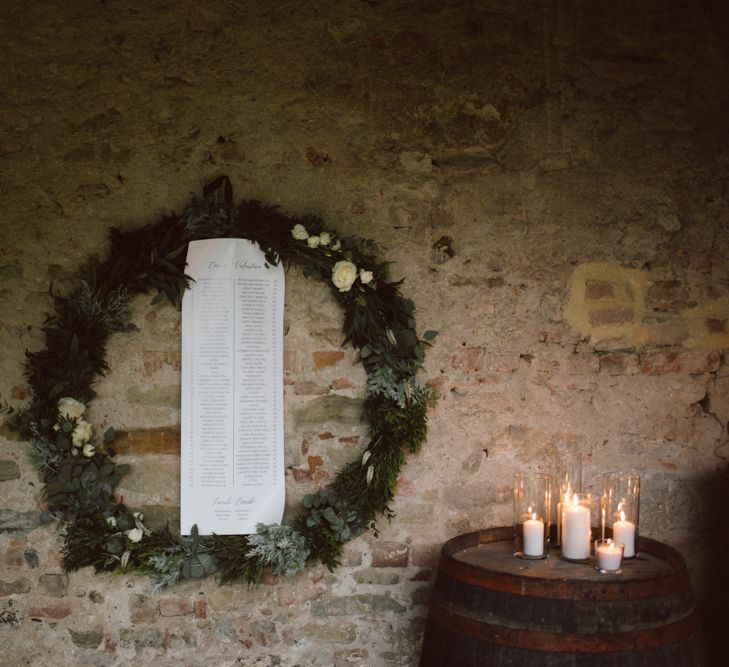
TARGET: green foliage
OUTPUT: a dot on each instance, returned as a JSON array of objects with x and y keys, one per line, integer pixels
[
  {"x": 86, "y": 541},
  {"x": 81, "y": 485},
  {"x": 281, "y": 547},
  {"x": 79, "y": 489},
  {"x": 235, "y": 560},
  {"x": 199, "y": 561},
  {"x": 330, "y": 518}
]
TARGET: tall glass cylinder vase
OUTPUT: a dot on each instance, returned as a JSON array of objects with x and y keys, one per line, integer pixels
[
  {"x": 569, "y": 482},
  {"x": 621, "y": 510},
  {"x": 532, "y": 515}
]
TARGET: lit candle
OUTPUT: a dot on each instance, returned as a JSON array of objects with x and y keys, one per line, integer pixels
[
  {"x": 575, "y": 531},
  {"x": 608, "y": 556},
  {"x": 624, "y": 533},
  {"x": 533, "y": 536}
]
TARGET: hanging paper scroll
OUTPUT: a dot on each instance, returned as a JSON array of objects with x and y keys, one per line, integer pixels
[{"x": 232, "y": 389}]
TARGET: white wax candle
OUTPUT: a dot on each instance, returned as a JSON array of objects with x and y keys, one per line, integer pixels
[
  {"x": 575, "y": 531},
  {"x": 608, "y": 557},
  {"x": 533, "y": 536},
  {"x": 624, "y": 533}
]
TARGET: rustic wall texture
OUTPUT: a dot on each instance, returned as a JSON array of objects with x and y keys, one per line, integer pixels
[{"x": 551, "y": 179}]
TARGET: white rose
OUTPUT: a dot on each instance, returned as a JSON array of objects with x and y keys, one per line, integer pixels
[
  {"x": 344, "y": 274},
  {"x": 89, "y": 450},
  {"x": 366, "y": 277},
  {"x": 70, "y": 408},
  {"x": 313, "y": 241},
  {"x": 81, "y": 434},
  {"x": 135, "y": 534},
  {"x": 111, "y": 521},
  {"x": 325, "y": 238},
  {"x": 299, "y": 232},
  {"x": 336, "y": 245}
]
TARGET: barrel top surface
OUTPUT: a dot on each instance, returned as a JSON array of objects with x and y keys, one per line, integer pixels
[
  {"x": 498, "y": 557},
  {"x": 485, "y": 558}
]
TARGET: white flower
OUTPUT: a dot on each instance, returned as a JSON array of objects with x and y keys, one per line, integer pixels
[
  {"x": 325, "y": 238},
  {"x": 344, "y": 274},
  {"x": 313, "y": 241},
  {"x": 336, "y": 245},
  {"x": 111, "y": 521},
  {"x": 135, "y": 534},
  {"x": 81, "y": 434},
  {"x": 89, "y": 450},
  {"x": 70, "y": 408},
  {"x": 366, "y": 276},
  {"x": 299, "y": 232}
]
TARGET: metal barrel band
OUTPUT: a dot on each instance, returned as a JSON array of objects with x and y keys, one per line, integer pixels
[{"x": 536, "y": 640}]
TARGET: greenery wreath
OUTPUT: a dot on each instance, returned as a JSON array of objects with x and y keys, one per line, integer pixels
[{"x": 78, "y": 470}]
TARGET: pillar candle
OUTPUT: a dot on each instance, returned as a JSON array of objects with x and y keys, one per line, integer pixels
[
  {"x": 575, "y": 531},
  {"x": 624, "y": 533},
  {"x": 608, "y": 556},
  {"x": 533, "y": 536}
]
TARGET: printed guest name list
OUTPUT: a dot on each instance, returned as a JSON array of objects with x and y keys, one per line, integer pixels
[{"x": 232, "y": 389}]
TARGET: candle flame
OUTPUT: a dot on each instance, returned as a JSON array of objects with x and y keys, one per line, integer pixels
[
  {"x": 622, "y": 516},
  {"x": 575, "y": 500},
  {"x": 534, "y": 516},
  {"x": 611, "y": 545}
]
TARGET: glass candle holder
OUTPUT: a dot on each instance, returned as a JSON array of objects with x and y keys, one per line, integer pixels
[
  {"x": 580, "y": 521},
  {"x": 608, "y": 556},
  {"x": 532, "y": 515},
  {"x": 621, "y": 510},
  {"x": 569, "y": 482}
]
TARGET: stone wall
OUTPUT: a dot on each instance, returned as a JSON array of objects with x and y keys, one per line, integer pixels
[{"x": 549, "y": 177}]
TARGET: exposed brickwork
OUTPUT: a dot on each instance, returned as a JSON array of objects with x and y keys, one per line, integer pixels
[
  {"x": 600, "y": 289},
  {"x": 390, "y": 554},
  {"x": 608, "y": 316},
  {"x": 619, "y": 363},
  {"x": 8, "y": 470},
  {"x": 153, "y": 361},
  {"x": 54, "y": 611},
  {"x": 143, "y": 608},
  {"x": 175, "y": 606},
  {"x": 469, "y": 359},
  {"x": 200, "y": 608},
  {"x": 341, "y": 383},
  {"x": 15, "y": 587},
  {"x": 326, "y": 358},
  {"x": 20, "y": 392},
  {"x": 148, "y": 441},
  {"x": 55, "y": 585},
  {"x": 13, "y": 557},
  {"x": 714, "y": 325}
]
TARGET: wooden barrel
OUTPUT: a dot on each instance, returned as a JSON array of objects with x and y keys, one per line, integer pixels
[{"x": 490, "y": 608}]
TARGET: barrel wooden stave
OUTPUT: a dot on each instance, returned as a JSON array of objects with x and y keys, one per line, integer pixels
[
  {"x": 555, "y": 615},
  {"x": 446, "y": 649}
]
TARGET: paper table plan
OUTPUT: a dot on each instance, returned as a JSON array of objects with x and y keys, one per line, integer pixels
[{"x": 232, "y": 467}]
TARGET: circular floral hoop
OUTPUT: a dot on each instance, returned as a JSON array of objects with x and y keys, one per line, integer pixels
[{"x": 78, "y": 469}]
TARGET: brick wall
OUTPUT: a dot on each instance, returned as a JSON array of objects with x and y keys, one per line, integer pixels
[{"x": 550, "y": 179}]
